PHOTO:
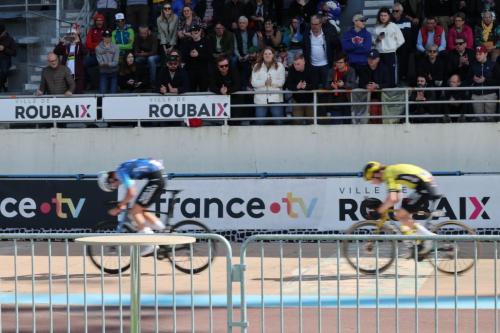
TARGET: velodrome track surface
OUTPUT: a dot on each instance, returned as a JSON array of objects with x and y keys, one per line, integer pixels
[{"x": 266, "y": 282}]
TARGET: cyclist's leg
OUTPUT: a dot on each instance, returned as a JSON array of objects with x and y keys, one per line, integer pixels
[
  {"x": 411, "y": 205},
  {"x": 150, "y": 193}
]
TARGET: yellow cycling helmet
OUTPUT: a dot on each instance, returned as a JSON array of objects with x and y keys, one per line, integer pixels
[{"x": 370, "y": 169}]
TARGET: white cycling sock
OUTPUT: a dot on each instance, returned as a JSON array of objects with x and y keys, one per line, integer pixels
[{"x": 421, "y": 230}]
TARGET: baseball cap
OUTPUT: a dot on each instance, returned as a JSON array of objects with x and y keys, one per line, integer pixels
[
  {"x": 359, "y": 17},
  {"x": 481, "y": 49},
  {"x": 196, "y": 27},
  {"x": 459, "y": 40},
  {"x": 106, "y": 33},
  {"x": 119, "y": 16},
  {"x": 98, "y": 17},
  {"x": 373, "y": 54}
]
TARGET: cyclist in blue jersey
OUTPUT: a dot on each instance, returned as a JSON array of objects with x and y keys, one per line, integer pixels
[{"x": 125, "y": 174}]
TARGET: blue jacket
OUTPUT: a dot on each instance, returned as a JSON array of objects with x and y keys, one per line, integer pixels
[{"x": 357, "y": 45}]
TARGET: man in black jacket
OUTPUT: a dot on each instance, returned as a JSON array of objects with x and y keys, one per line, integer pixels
[
  {"x": 196, "y": 53},
  {"x": 7, "y": 51},
  {"x": 173, "y": 79},
  {"x": 321, "y": 43},
  {"x": 300, "y": 78},
  {"x": 460, "y": 59}
]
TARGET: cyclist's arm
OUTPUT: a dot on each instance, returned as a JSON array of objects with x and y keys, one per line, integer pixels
[{"x": 392, "y": 199}]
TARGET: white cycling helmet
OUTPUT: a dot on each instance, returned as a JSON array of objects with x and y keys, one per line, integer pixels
[{"x": 103, "y": 181}]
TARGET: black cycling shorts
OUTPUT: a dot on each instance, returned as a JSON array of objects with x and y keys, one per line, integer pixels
[
  {"x": 419, "y": 199},
  {"x": 152, "y": 190}
]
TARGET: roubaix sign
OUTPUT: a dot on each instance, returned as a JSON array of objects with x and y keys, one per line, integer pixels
[
  {"x": 49, "y": 109},
  {"x": 165, "y": 107}
]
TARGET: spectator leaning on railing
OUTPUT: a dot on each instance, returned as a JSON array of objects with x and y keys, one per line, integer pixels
[
  {"x": 131, "y": 77},
  {"x": 56, "y": 79},
  {"x": 343, "y": 78},
  {"x": 452, "y": 96},
  {"x": 7, "y": 51},
  {"x": 173, "y": 79},
  {"x": 300, "y": 78},
  {"x": 421, "y": 95}
]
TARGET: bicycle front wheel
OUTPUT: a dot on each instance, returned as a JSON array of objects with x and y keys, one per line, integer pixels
[
  {"x": 192, "y": 258},
  {"x": 366, "y": 255},
  {"x": 110, "y": 258},
  {"x": 453, "y": 256}
]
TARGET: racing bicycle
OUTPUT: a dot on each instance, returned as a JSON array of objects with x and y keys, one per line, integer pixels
[
  {"x": 370, "y": 256},
  {"x": 188, "y": 258}
]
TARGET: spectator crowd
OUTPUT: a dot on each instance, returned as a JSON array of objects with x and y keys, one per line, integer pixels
[{"x": 171, "y": 48}]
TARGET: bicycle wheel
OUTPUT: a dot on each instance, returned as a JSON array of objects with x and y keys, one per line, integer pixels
[
  {"x": 453, "y": 256},
  {"x": 111, "y": 259},
  {"x": 366, "y": 255},
  {"x": 192, "y": 258}
]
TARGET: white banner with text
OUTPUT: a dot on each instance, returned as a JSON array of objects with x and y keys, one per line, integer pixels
[
  {"x": 53, "y": 109},
  {"x": 165, "y": 107},
  {"x": 322, "y": 204}
]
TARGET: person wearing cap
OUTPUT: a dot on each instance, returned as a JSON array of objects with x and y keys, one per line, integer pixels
[
  {"x": 7, "y": 51},
  {"x": 108, "y": 55},
  {"x": 123, "y": 36},
  {"x": 460, "y": 59},
  {"x": 167, "y": 24},
  {"x": 72, "y": 52},
  {"x": 146, "y": 52},
  {"x": 196, "y": 54},
  {"x": 373, "y": 78},
  {"x": 357, "y": 43},
  {"x": 407, "y": 50},
  {"x": 93, "y": 38},
  {"x": 459, "y": 29},
  {"x": 481, "y": 75},
  {"x": 108, "y": 10},
  {"x": 137, "y": 13},
  {"x": 388, "y": 38},
  {"x": 173, "y": 79}
]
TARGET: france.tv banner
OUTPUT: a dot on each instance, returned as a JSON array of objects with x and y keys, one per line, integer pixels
[
  {"x": 165, "y": 107},
  {"x": 49, "y": 109}
]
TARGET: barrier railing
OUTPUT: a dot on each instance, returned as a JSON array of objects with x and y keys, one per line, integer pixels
[
  {"x": 303, "y": 283},
  {"x": 48, "y": 284},
  {"x": 396, "y": 107}
]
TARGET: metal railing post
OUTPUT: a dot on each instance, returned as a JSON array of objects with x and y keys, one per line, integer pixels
[
  {"x": 315, "y": 107},
  {"x": 407, "y": 107}
]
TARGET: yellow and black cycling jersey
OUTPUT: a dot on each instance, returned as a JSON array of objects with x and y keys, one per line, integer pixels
[{"x": 411, "y": 176}]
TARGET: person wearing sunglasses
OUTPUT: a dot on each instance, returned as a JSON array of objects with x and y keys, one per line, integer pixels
[
  {"x": 460, "y": 59},
  {"x": 167, "y": 24},
  {"x": 357, "y": 43},
  {"x": 432, "y": 67}
]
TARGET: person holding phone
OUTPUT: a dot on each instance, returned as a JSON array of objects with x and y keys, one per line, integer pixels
[{"x": 388, "y": 38}]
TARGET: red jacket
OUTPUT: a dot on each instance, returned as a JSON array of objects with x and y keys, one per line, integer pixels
[
  {"x": 94, "y": 37},
  {"x": 438, "y": 31}
]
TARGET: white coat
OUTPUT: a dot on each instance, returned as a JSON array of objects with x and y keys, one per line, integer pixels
[{"x": 259, "y": 78}]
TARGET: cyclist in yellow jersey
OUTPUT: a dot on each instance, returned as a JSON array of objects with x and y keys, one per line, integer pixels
[{"x": 396, "y": 176}]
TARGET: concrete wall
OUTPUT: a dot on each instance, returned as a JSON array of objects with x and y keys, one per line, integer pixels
[{"x": 439, "y": 147}]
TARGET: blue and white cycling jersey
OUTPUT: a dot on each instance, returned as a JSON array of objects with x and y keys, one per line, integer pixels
[{"x": 139, "y": 168}]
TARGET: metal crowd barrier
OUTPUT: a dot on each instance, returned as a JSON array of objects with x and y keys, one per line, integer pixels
[
  {"x": 302, "y": 283},
  {"x": 396, "y": 101},
  {"x": 48, "y": 284},
  {"x": 287, "y": 283}
]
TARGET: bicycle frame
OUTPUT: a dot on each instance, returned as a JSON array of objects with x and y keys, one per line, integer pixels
[{"x": 428, "y": 222}]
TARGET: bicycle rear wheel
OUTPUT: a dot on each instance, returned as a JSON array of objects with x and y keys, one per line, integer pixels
[
  {"x": 111, "y": 259},
  {"x": 366, "y": 255},
  {"x": 192, "y": 258},
  {"x": 453, "y": 256}
]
